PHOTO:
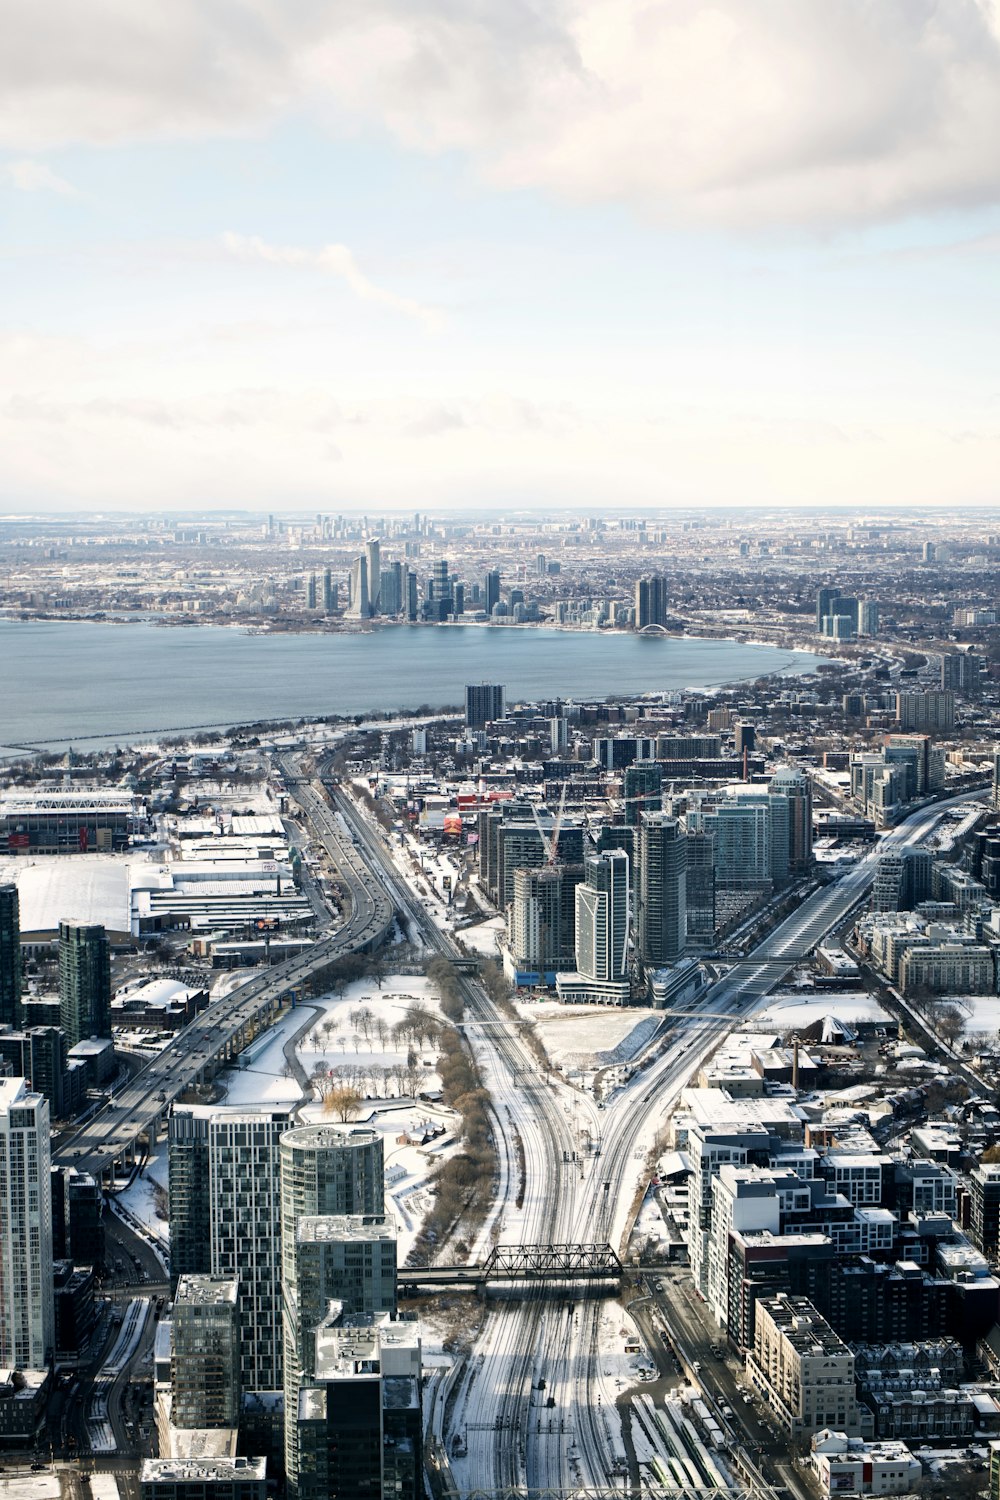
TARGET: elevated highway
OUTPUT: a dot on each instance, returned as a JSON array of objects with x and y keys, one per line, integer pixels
[{"x": 225, "y": 1027}]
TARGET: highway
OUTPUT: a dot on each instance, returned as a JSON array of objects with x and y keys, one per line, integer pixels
[
  {"x": 505, "y": 1428},
  {"x": 217, "y": 1032},
  {"x": 499, "y": 1383}
]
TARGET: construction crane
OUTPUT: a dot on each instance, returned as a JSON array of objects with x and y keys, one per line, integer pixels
[{"x": 550, "y": 845}]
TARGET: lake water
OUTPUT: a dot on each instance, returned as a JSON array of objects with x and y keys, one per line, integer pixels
[{"x": 74, "y": 682}]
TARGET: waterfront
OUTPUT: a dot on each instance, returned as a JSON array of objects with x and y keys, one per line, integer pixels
[{"x": 82, "y": 683}]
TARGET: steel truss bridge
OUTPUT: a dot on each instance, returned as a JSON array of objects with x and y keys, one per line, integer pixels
[{"x": 519, "y": 1263}]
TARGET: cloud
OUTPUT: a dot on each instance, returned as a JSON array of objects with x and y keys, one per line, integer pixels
[
  {"x": 777, "y": 111},
  {"x": 335, "y": 260},
  {"x": 36, "y": 177},
  {"x": 788, "y": 112}
]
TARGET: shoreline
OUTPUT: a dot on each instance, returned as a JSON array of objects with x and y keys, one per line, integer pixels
[
  {"x": 351, "y": 668},
  {"x": 353, "y": 628}
]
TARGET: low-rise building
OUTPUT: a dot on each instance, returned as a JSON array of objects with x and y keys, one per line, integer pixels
[
  {"x": 203, "y": 1479},
  {"x": 846, "y": 1465}
]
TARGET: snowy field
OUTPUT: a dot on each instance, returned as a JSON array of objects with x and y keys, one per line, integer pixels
[
  {"x": 796, "y": 1012},
  {"x": 482, "y": 936},
  {"x": 981, "y": 1013},
  {"x": 586, "y": 1036}
]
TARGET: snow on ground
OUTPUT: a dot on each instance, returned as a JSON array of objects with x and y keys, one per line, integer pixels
[
  {"x": 482, "y": 936},
  {"x": 357, "y": 1033},
  {"x": 30, "y": 1486},
  {"x": 230, "y": 980},
  {"x": 259, "y": 1074},
  {"x": 255, "y": 797},
  {"x": 788, "y": 1012},
  {"x": 139, "y": 1200},
  {"x": 157, "y": 1164},
  {"x": 353, "y": 1033},
  {"x": 649, "y": 1225},
  {"x": 584, "y": 1036},
  {"x": 981, "y": 1012},
  {"x": 622, "y": 1357}
]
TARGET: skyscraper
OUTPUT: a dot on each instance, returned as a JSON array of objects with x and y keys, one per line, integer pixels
[
  {"x": 960, "y": 672},
  {"x": 927, "y": 713},
  {"x": 358, "y": 606},
  {"x": 27, "y": 1309},
  {"x": 824, "y": 599},
  {"x": 325, "y": 1169},
  {"x": 373, "y": 557},
  {"x": 358, "y": 1423},
  {"x": 347, "y": 1258},
  {"x": 742, "y": 830},
  {"x": 484, "y": 702},
  {"x": 796, "y": 788},
  {"x": 650, "y": 602},
  {"x": 541, "y": 919},
  {"x": 643, "y": 787},
  {"x": 190, "y": 1198},
  {"x": 205, "y": 1359},
  {"x": 699, "y": 884},
  {"x": 492, "y": 590},
  {"x": 868, "y": 618},
  {"x": 661, "y": 915},
  {"x": 84, "y": 981},
  {"x": 602, "y": 919},
  {"x": 10, "y": 957},
  {"x": 329, "y": 596},
  {"x": 391, "y": 590},
  {"x": 225, "y": 1204}
]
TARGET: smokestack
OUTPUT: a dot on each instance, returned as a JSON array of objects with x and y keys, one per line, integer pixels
[{"x": 795, "y": 1060}]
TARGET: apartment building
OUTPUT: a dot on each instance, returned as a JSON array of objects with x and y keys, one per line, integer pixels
[{"x": 802, "y": 1369}]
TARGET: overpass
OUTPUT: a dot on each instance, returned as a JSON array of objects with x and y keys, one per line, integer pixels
[
  {"x": 226, "y": 1026},
  {"x": 519, "y": 1263}
]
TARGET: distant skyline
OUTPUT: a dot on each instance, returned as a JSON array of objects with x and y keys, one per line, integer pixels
[{"x": 578, "y": 253}]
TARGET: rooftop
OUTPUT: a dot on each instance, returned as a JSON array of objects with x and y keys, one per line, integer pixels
[
  {"x": 206, "y": 1291},
  {"x": 184, "y": 1470},
  {"x": 334, "y": 1227}
]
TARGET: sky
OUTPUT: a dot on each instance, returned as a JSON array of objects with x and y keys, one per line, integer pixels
[{"x": 287, "y": 254}]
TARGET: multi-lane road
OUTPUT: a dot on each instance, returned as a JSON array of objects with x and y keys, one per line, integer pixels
[
  {"x": 504, "y": 1428},
  {"x": 194, "y": 1053}
]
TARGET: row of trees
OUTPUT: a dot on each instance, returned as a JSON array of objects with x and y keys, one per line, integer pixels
[
  {"x": 463, "y": 1183},
  {"x": 416, "y": 1027},
  {"x": 344, "y": 1088}
]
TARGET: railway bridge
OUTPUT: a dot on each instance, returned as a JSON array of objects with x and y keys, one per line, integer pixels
[{"x": 519, "y": 1263}]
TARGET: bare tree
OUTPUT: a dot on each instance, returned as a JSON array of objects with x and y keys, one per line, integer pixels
[{"x": 343, "y": 1102}]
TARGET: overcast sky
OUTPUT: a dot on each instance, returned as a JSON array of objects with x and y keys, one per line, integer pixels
[{"x": 332, "y": 253}]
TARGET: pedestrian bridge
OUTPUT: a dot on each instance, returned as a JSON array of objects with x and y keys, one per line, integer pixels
[{"x": 519, "y": 1263}]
